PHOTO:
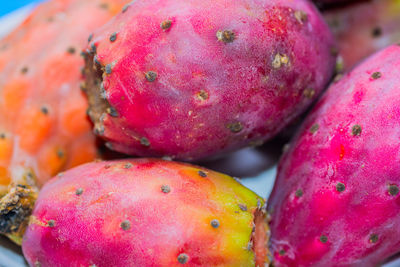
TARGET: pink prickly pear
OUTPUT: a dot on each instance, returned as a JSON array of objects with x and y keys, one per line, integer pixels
[
  {"x": 364, "y": 28},
  {"x": 146, "y": 212},
  {"x": 195, "y": 79},
  {"x": 336, "y": 200}
]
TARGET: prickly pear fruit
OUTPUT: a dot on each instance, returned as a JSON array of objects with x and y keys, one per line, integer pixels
[
  {"x": 146, "y": 212},
  {"x": 43, "y": 124},
  {"x": 364, "y": 28},
  {"x": 196, "y": 79},
  {"x": 336, "y": 198}
]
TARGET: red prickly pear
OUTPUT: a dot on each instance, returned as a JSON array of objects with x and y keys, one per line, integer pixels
[
  {"x": 146, "y": 212},
  {"x": 364, "y": 28},
  {"x": 197, "y": 79},
  {"x": 44, "y": 128},
  {"x": 336, "y": 199}
]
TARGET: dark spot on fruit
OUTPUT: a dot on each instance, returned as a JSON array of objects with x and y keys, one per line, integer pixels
[
  {"x": 337, "y": 78},
  {"x": 376, "y": 32},
  {"x": 376, "y": 75},
  {"x": 183, "y": 258},
  {"x": 215, "y": 223},
  {"x": 44, "y": 110},
  {"x": 285, "y": 148},
  {"x": 125, "y": 8},
  {"x": 2, "y": 135},
  {"x": 113, "y": 37},
  {"x": 128, "y": 166},
  {"x": 93, "y": 49},
  {"x": 60, "y": 153},
  {"x": 107, "y": 166},
  {"x": 84, "y": 55},
  {"x": 96, "y": 61},
  {"x": 51, "y": 223},
  {"x": 202, "y": 174},
  {"x": 104, "y": 5},
  {"x": 373, "y": 238},
  {"x": 309, "y": 93},
  {"x": 103, "y": 93},
  {"x": 299, "y": 193},
  {"x": 99, "y": 130},
  {"x": 30, "y": 174},
  {"x": 112, "y": 112},
  {"x": 235, "y": 127},
  {"x": 79, "y": 191},
  {"x": 165, "y": 25},
  {"x": 300, "y": 16},
  {"x": 242, "y": 207},
  {"x": 144, "y": 141},
  {"x": 90, "y": 38},
  {"x": 323, "y": 239},
  {"x": 356, "y": 130},
  {"x": 249, "y": 246},
  {"x": 393, "y": 190},
  {"x": 279, "y": 60},
  {"x": 126, "y": 225},
  {"x": 282, "y": 252},
  {"x": 225, "y": 36},
  {"x": 83, "y": 87},
  {"x": 340, "y": 187},
  {"x": 24, "y": 70},
  {"x": 108, "y": 69},
  {"x": 151, "y": 76},
  {"x": 71, "y": 50},
  {"x": 202, "y": 95},
  {"x": 3, "y": 47},
  {"x": 165, "y": 189},
  {"x": 314, "y": 128}
]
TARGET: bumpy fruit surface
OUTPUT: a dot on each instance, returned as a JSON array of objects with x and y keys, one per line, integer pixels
[
  {"x": 336, "y": 200},
  {"x": 195, "y": 79},
  {"x": 364, "y": 28},
  {"x": 43, "y": 124},
  {"x": 146, "y": 212}
]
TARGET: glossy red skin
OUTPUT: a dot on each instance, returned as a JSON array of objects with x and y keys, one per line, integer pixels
[
  {"x": 366, "y": 164},
  {"x": 241, "y": 83},
  {"x": 354, "y": 26},
  {"x": 87, "y": 227}
]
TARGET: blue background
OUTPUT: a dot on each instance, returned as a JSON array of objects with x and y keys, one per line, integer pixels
[{"x": 7, "y": 6}]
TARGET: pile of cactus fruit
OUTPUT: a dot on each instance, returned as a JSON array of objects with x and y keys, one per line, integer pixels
[{"x": 109, "y": 107}]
